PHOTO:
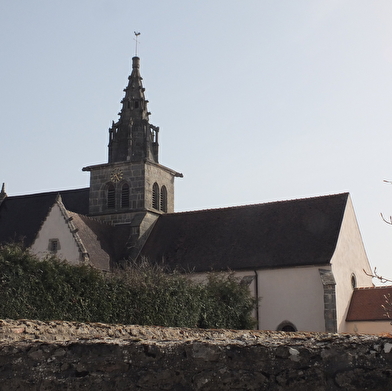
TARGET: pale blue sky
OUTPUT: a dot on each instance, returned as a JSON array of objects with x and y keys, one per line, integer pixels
[{"x": 256, "y": 100}]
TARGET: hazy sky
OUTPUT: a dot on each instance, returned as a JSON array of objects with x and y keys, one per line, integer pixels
[{"x": 256, "y": 100}]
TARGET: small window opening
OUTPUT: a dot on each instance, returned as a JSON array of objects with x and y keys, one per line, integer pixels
[
  {"x": 111, "y": 200},
  {"x": 155, "y": 196},
  {"x": 54, "y": 245},
  {"x": 163, "y": 199},
  {"x": 136, "y": 104},
  {"x": 286, "y": 326},
  {"x": 353, "y": 281},
  {"x": 125, "y": 196}
]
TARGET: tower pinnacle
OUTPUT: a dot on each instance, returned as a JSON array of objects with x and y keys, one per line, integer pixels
[
  {"x": 133, "y": 138},
  {"x": 3, "y": 194}
]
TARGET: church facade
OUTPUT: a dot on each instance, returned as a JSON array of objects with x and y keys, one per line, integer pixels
[{"x": 302, "y": 258}]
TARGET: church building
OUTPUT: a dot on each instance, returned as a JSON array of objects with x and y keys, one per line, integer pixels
[{"x": 302, "y": 258}]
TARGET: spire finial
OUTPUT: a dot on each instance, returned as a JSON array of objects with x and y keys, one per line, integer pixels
[
  {"x": 136, "y": 36},
  {"x": 3, "y": 194}
]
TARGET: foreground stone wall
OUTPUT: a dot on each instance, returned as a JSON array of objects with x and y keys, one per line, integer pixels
[{"x": 74, "y": 356}]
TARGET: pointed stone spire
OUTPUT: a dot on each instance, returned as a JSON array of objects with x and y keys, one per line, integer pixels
[
  {"x": 3, "y": 194},
  {"x": 133, "y": 138}
]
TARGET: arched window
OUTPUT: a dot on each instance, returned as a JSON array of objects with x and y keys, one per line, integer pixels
[
  {"x": 353, "y": 281},
  {"x": 155, "y": 196},
  {"x": 163, "y": 199},
  {"x": 286, "y": 326},
  {"x": 111, "y": 200},
  {"x": 125, "y": 196}
]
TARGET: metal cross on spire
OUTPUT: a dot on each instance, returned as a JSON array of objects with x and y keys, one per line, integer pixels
[{"x": 136, "y": 36}]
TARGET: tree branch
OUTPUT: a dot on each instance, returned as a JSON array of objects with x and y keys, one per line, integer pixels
[
  {"x": 387, "y": 221},
  {"x": 375, "y": 275}
]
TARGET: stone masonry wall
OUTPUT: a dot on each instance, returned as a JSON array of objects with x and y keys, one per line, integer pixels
[
  {"x": 100, "y": 176},
  {"x": 73, "y": 356}
]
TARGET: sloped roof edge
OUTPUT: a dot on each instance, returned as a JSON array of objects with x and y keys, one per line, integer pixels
[
  {"x": 258, "y": 204},
  {"x": 275, "y": 234},
  {"x": 22, "y": 216}
]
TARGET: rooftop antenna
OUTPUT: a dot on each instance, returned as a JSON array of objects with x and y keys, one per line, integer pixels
[{"x": 136, "y": 36}]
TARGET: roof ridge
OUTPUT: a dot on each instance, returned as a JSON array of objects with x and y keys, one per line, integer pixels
[
  {"x": 258, "y": 204},
  {"x": 54, "y": 192},
  {"x": 373, "y": 287},
  {"x": 92, "y": 218}
]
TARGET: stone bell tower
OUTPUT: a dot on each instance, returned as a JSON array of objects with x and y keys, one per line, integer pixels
[
  {"x": 133, "y": 138},
  {"x": 132, "y": 188}
]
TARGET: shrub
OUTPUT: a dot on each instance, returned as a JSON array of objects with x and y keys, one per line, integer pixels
[
  {"x": 142, "y": 294},
  {"x": 48, "y": 289},
  {"x": 226, "y": 303}
]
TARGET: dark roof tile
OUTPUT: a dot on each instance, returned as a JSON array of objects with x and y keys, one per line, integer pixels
[
  {"x": 276, "y": 234},
  {"x": 96, "y": 238},
  {"x": 21, "y": 216}
]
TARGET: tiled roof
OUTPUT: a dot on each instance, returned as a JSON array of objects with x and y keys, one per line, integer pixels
[
  {"x": 276, "y": 234},
  {"x": 366, "y": 304},
  {"x": 21, "y": 216},
  {"x": 105, "y": 243},
  {"x": 95, "y": 238}
]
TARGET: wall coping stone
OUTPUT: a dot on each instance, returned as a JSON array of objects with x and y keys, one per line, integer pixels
[{"x": 56, "y": 355}]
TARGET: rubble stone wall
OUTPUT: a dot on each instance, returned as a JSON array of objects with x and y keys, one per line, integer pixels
[{"x": 73, "y": 356}]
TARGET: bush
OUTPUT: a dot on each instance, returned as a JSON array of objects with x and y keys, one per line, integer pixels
[
  {"x": 48, "y": 289},
  {"x": 142, "y": 294},
  {"x": 226, "y": 303}
]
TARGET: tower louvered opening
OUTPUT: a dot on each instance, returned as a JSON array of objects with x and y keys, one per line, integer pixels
[
  {"x": 125, "y": 196},
  {"x": 163, "y": 205},
  {"x": 155, "y": 196},
  {"x": 111, "y": 199}
]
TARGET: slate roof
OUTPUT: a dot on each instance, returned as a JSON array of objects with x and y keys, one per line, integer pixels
[
  {"x": 277, "y": 234},
  {"x": 22, "y": 216},
  {"x": 366, "y": 304},
  {"x": 95, "y": 238},
  {"x": 103, "y": 242}
]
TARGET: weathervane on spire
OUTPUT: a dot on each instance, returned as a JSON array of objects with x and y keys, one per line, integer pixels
[{"x": 136, "y": 35}]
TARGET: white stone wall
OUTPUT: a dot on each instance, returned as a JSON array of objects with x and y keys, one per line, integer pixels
[
  {"x": 349, "y": 259},
  {"x": 295, "y": 295},
  {"x": 369, "y": 327},
  {"x": 55, "y": 227}
]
